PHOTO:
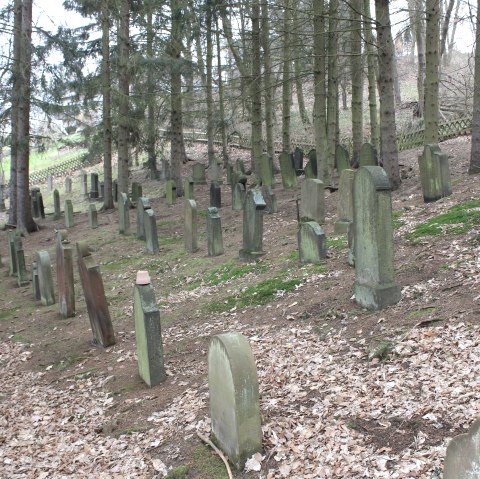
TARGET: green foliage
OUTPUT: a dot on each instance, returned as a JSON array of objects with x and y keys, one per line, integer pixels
[
  {"x": 180, "y": 472},
  {"x": 69, "y": 360},
  {"x": 340, "y": 242},
  {"x": 6, "y": 313},
  {"x": 383, "y": 350},
  {"x": 209, "y": 464},
  {"x": 396, "y": 221}
]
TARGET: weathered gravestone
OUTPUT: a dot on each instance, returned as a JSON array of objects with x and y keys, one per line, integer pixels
[
  {"x": 462, "y": 460},
  {"x": 164, "y": 173},
  {"x": 270, "y": 200},
  {"x": 368, "y": 155},
  {"x": 65, "y": 281},
  {"x": 102, "y": 190},
  {"x": 56, "y": 205},
  {"x": 238, "y": 197},
  {"x": 342, "y": 158},
  {"x": 115, "y": 190},
  {"x": 148, "y": 332},
  {"x": 434, "y": 173},
  {"x": 68, "y": 185},
  {"x": 35, "y": 202},
  {"x": 375, "y": 286},
  {"x": 297, "y": 156},
  {"x": 94, "y": 192},
  {"x": 253, "y": 226},
  {"x": 188, "y": 188},
  {"x": 312, "y": 201},
  {"x": 240, "y": 166},
  {"x": 92, "y": 216},
  {"x": 215, "y": 195},
  {"x": 265, "y": 166},
  {"x": 143, "y": 204},
  {"x": 198, "y": 174},
  {"x": 45, "y": 279},
  {"x": 123, "y": 214},
  {"x": 21, "y": 270},
  {"x": 84, "y": 184},
  {"x": 151, "y": 235},
  {"x": 95, "y": 299},
  {"x": 171, "y": 192},
  {"x": 311, "y": 169},
  {"x": 49, "y": 182},
  {"x": 234, "y": 397},
  {"x": 344, "y": 201},
  {"x": 69, "y": 221},
  {"x": 137, "y": 191},
  {"x": 12, "y": 259},
  {"x": 190, "y": 234},
  {"x": 214, "y": 233},
  {"x": 311, "y": 243},
  {"x": 229, "y": 170},
  {"x": 35, "y": 282},
  {"x": 41, "y": 205}
]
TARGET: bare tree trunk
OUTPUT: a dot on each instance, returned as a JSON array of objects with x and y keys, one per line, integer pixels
[
  {"x": 297, "y": 63},
  {"x": 267, "y": 78},
  {"x": 209, "y": 87},
  {"x": 451, "y": 43},
  {"x": 286, "y": 80},
  {"x": 475, "y": 150},
  {"x": 221, "y": 97},
  {"x": 396, "y": 82},
  {"x": 445, "y": 26},
  {"x": 257, "y": 148},
  {"x": 420, "y": 39}
]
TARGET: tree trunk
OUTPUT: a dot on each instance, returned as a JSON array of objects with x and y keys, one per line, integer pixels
[
  {"x": 388, "y": 144},
  {"x": 297, "y": 63},
  {"x": 420, "y": 39},
  {"x": 209, "y": 87},
  {"x": 221, "y": 96},
  {"x": 286, "y": 80},
  {"x": 256, "y": 123},
  {"x": 475, "y": 149},
  {"x": 456, "y": 19},
  {"x": 445, "y": 26},
  {"x": 267, "y": 78}
]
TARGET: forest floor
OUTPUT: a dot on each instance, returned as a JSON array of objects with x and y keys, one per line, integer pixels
[{"x": 345, "y": 392}]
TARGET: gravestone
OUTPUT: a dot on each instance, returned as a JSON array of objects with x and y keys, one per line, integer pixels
[
  {"x": 12, "y": 255},
  {"x": 69, "y": 220},
  {"x": 265, "y": 165},
  {"x": 190, "y": 234},
  {"x": 102, "y": 190},
  {"x": 165, "y": 170},
  {"x": 375, "y": 287},
  {"x": 123, "y": 214},
  {"x": 94, "y": 193},
  {"x": 311, "y": 169},
  {"x": 215, "y": 195},
  {"x": 84, "y": 184},
  {"x": 234, "y": 397},
  {"x": 462, "y": 460},
  {"x": 143, "y": 204},
  {"x": 240, "y": 166},
  {"x": 253, "y": 226},
  {"x": 311, "y": 243},
  {"x": 342, "y": 158},
  {"x": 312, "y": 201},
  {"x": 434, "y": 174},
  {"x": 298, "y": 160},
  {"x": 41, "y": 205},
  {"x": 289, "y": 177},
  {"x": 49, "y": 182},
  {"x": 137, "y": 191},
  {"x": 115, "y": 190},
  {"x": 35, "y": 202},
  {"x": 214, "y": 233},
  {"x": 270, "y": 200},
  {"x": 68, "y": 185},
  {"x": 65, "y": 281},
  {"x": 238, "y": 197},
  {"x": 56, "y": 205},
  {"x": 171, "y": 192},
  {"x": 92, "y": 216},
  {"x": 351, "y": 244},
  {"x": 21, "y": 270},
  {"x": 45, "y": 279},
  {"x": 94, "y": 292},
  {"x": 229, "y": 170},
  {"x": 368, "y": 155},
  {"x": 198, "y": 174},
  {"x": 344, "y": 201},
  {"x": 35, "y": 283},
  {"x": 151, "y": 235},
  {"x": 188, "y": 188},
  {"x": 148, "y": 331}
]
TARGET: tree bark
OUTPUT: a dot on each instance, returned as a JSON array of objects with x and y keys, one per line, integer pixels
[
  {"x": 256, "y": 123},
  {"x": 297, "y": 64},
  {"x": 420, "y": 40},
  {"x": 267, "y": 78},
  {"x": 286, "y": 80},
  {"x": 209, "y": 86},
  {"x": 475, "y": 149},
  {"x": 221, "y": 97}
]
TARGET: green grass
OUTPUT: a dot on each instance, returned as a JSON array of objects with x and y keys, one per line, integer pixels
[
  {"x": 69, "y": 360},
  {"x": 180, "y": 472},
  {"x": 20, "y": 338},
  {"x": 337, "y": 243},
  {"x": 209, "y": 464},
  {"x": 7, "y": 313},
  {"x": 396, "y": 221}
]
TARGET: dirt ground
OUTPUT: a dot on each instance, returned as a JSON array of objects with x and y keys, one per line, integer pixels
[{"x": 345, "y": 392}]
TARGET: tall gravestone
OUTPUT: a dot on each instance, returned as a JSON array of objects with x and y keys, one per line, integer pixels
[
  {"x": 151, "y": 235},
  {"x": 234, "y": 397},
  {"x": 188, "y": 188},
  {"x": 287, "y": 170},
  {"x": 21, "y": 270},
  {"x": 270, "y": 200},
  {"x": 45, "y": 279},
  {"x": 94, "y": 190},
  {"x": 375, "y": 286},
  {"x": 102, "y": 190},
  {"x": 345, "y": 201},
  {"x": 311, "y": 168},
  {"x": 311, "y": 243},
  {"x": 198, "y": 174},
  {"x": 368, "y": 155},
  {"x": 56, "y": 205},
  {"x": 342, "y": 158},
  {"x": 123, "y": 214},
  {"x": 298, "y": 160},
  {"x": 92, "y": 216},
  {"x": 94, "y": 292},
  {"x": 68, "y": 185},
  {"x": 254, "y": 207},
  {"x": 137, "y": 191},
  {"x": 312, "y": 202},
  {"x": 84, "y": 184},
  {"x": 35, "y": 282},
  {"x": 171, "y": 192},
  {"x": 265, "y": 165},
  {"x": 434, "y": 173},
  {"x": 143, "y": 204},
  {"x": 229, "y": 171},
  {"x": 148, "y": 331},
  {"x": 35, "y": 202},
  {"x": 12, "y": 254},
  {"x": 215, "y": 195},
  {"x": 69, "y": 221},
  {"x": 65, "y": 281},
  {"x": 49, "y": 182},
  {"x": 214, "y": 233},
  {"x": 41, "y": 205},
  {"x": 238, "y": 197},
  {"x": 190, "y": 235}
]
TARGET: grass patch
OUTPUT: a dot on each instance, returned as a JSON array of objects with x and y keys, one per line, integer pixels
[
  {"x": 20, "y": 338},
  {"x": 135, "y": 428},
  {"x": 337, "y": 243},
  {"x": 7, "y": 313},
  {"x": 69, "y": 360},
  {"x": 396, "y": 221},
  {"x": 294, "y": 255},
  {"x": 180, "y": 472},
  {"x": 209, "y": 464},
  {"x": 421, "y": 312},
  {"x": 168, "y": 240}
]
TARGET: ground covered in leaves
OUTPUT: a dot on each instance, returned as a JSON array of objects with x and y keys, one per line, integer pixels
[{"x": 345, "y": 392}]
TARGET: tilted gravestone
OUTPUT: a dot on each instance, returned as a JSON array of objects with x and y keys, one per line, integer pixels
[
  {"x": 265, "y": 165},
  {"x": 69, "y": 221},
  {"x": 190, "y": 234},
  {"x": 311, "y": 243},
  {"x": 270, "y": 200},
  {"x": 49, "y": 182},
  {"x": 123, "y": 214},
  {"x": 253, "y": 226},
  {"x": 311, "y": 169},
  {"x": 148, "y": 332},
  {"x": 35, "y": 282},
  {"x": 462, "y": 460},
  {"x": 12, "y": 254},
  {"x": 368, "y": 155},
  {"x": 45, "y": 279},
  {"x": 56, "y": 205},
  {"x": 92, "y": 216},
  {"x": 375, "y": 286},
  {"x": 143, "y": 204},
  {"x": 198, "y": 174},
  {"x": 171, "y": 192},
  {"x": 312, "y": 201},
  {"x": 84, "y": 184},
  {"x": 151, "y": 235},
  {"x": 95, "y": 299},
  {"x": 214, "y": 233},
  {"x": 234, "y": 397},
  {"x": 215, "y": 195},
  {"x": 342, "y": 158},
  {"x": 94, "y": 191},
  {"x": 434, "y": 174},
  {"x": 188, "y": 188},
  {"x": 137, "y": 192},
  {"x": 65, "y": 281},
  {"x": 41, "y": 205},
  {"x": 238, "y": 197},
  {"x": 68, "y": 185},
  {"x": 21, "y": 270},
  {"x": 344, "y": 201}
]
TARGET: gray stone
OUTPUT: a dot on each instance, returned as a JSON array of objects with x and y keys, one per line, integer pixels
[
  {"x": 368, "y": 155},
  {"x": 188, "y": 185},
  {"x": 253, "y": 226},
  {"x": 21, "y": 270},
  {"x": 123, "y": 214},
  {"x": 344, "y": 201},
  {"x": 65, "y": 281},
  {"x": 311, "y": 243},
  {"x": 35, "y": 202},
  {"x": 265, "y": 165},
  {"x": 49, "y": 182},
  {"x": 12, "y": 255},
  {"x": 137, "y": 192},
  {"x": 342, "y": 158},
  {"x": 312, "y": 202},
  {"x": 215, "y": 195},
  {"x": 56, "y": 205},
  {"x": 68, "y": 185},
  {"x": 434, "y": 173},
  {"x": 94, "y": 192},
  {"x": 69, "y": 220},
  {"x": 311, "y": 170},
  {"x": 151, "y": 234},
  {"x": 375, "y": 287},
  {"x": 234, "y": 397},
  {"x": 45, "y": 279},
  {"x": 35, "y": 283},
  {"x": 143, "y": 204},
  {"x": 92, "y": 216},
  {"x": 229, "y": 170},
  {"x": 190, "y": 234},
  {"x": 102, "y": 190},
  {"x": 171, "y": 192},
  {"x": 298, "y": 160},
  {"x": 289, "y": 177},
  {"x": 84, "y": 184},
  {"x": 238, "y": 197},
  {"x": 214, "y": 233},
  {"x": 198, "y": 174},
  {"x": 41, "y": 205},
  {"x": 270, "y": 200}
]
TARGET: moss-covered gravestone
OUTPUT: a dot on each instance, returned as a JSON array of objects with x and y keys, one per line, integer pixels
[
  {"x": 69, "y": 220},
  {"x": 434, "y": 173},
  {"x": 311, "y": 243},
  {"x": 270, "y": 200},
  {"x": 188, "y": 191},
  {"x": 289, "y": 177},
  {"x": 21, "y": 270},
  {"x": 45, "y": 279},
  {"x": 368, "y": 155},
  {"x": 68, "y": 185},
  {"x": 215, "y": 195},
  {"x": 83, "y": 184},
  {"x": 234, "y": 397},
  {"x": 198, "y": 174},
  {"x": 12, "y": 260},
  {"x": 94, "y": 292},
  {"x": 94, "y": 190},
  {"x": 265, "y": 164},
  {"x": 312, "y": 201},
  {"x": 214, "y": 233},
  {"x": 342, "y": 158},
  {"x": 238, "y": 197},
  {"x": 143, "y": 204},
  {"x": 56, "y": 205},
  {"x": 137, "y": 192},
  {"x": 462, "y": 460},
  {"x": 148, "y": 333},
  {"x": 92, "y": 216},
  {"x": 171, "y": 192},
  {"x": 35, "y": 282},
  {"x": 151, "y": 234},
  {"x": 123, "y": 214},
  {"x": 65, "y": 281},
  {"x": 344, "y": 201},
  {"x": 190, "y": 234},
  {"x": 253, "y": 226},
  {"x": 375, "y": 286}
]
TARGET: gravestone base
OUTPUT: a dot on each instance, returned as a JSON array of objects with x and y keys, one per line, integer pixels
[
  {"x": 341, "y": 227},
  {"x": 376, "y": 297},
  {"x": 250, "y": 256}
]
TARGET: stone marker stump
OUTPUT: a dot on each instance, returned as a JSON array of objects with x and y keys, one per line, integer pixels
[
  {"x": 312, "y": 202},
  {"x": 188, "y": 188},
  {"x": 94, "y": 190},
  {"x": 151, "y": 235},
  {"x": 311, "y": 243},
  {"x": 69, "y": 220},
  {"x": 234, "y": 397},
  {"x": 198, "y": 174},
  {"x": 45, "y": 279},
  {"x": 270, "y": 200},
  {"x": 171, "y": 192},
  {"x": 148, "y": 332},
  {"x": 190, "y": 235},
  {"x": 123, "y": 214},
  {"x": 143, "y": 204},
  {"x": 35, "y": 282},
  {"x": 215, "y": 195},
  {"x": 65, "y": 281},
  {"x": 434, "y": 173},
  {"x": 92, "y": 216},
  {"x": 21, "y": 270},
  {"x": 56, "y": 205},
  {"x": 253, "y": 226},
  {"x": 214, "y": 233},
  {"x": 68, "y": 185},
  {"x": 375, "y": 286},
  {"x": 344, "y": 201},
  {"x": 238, "y": 197},
  {"x": 93, "y": 289},
  {"x": 342, "y": 158},
  {"x": 289, "y": 177},
  {"x": 368, "y": 155}
]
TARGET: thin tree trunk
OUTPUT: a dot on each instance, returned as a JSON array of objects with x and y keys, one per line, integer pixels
[
  {"x": 286, "y": 80},
  {"x": 445, "y": 26},
  {"x": 256, "y": 122},
  {"x": 267, "y": 78},
  {"x": 209, "y": 87},
  {"x": 475, "y": 149},
  {"x": 420, "y": 38},
  {"x": 396, "y": 82},
  {"x": 221, "y": 95},
  {"x": 297, "y": 63},
  {"x": 451, "y": 43}
]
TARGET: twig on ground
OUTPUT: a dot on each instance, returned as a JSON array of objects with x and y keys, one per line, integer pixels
[{"x": 220, "y": 453}]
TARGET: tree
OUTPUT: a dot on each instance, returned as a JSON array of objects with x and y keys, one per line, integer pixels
[
  {"x": 255, "y": 85},
  {"x": 474, "y": 167},
  {"x": 286, "y": 80}
]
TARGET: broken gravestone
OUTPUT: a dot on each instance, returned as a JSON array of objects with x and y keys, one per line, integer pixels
[
  {"x": 344, "y": 201},
  {"x": 143, "y": 204},
  {"x": 434, "y": 173},
  {"x": 65, "y": 281},
  {"x": 311, "y": 243},
  {"x": 45, "y": 279}
]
